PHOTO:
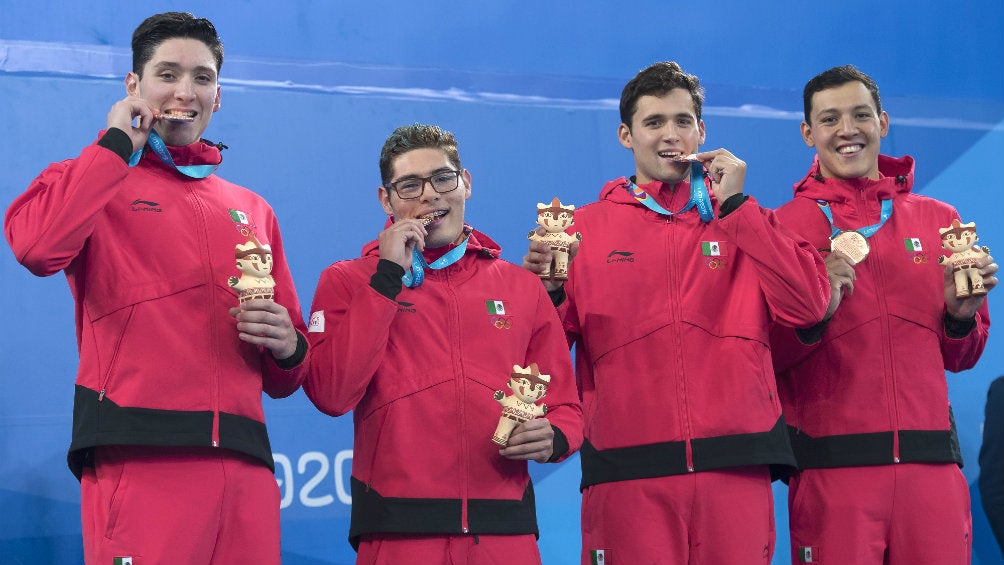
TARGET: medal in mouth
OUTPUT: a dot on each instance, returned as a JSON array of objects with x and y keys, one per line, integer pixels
[
  {"x": 180, "y": 116},
  {"x": 427, "y": 219}
]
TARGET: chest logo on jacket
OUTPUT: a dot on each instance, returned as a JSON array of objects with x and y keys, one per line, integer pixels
[
  {"x": 616, "y": 256},
  {"x": 714, "y": 254},
  {"x": 406, "y": 307},
  {"x": 242, "y": 223},
  {"x": 497, "y": 315},
  {"x": 915, "y": 250},
  {"x": 140, "y": 205}
]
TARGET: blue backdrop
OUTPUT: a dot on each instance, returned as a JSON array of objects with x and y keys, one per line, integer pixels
[{"x": 311, "y": 90}]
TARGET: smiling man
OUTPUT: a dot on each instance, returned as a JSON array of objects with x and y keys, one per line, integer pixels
[
  {"x": 168, "y": 391},
  {"x": 682, "y": 421},
  {"x": 864, "y": 392},
  {"x": 414, "y": 338}
]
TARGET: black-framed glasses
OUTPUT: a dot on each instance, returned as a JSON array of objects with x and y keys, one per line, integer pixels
[{"x": 412, "y": 187}]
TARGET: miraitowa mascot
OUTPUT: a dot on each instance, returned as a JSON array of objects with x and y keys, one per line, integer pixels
[
  {"x": 254, "y": 261},
  {"x": 528, "y": 386},
  {"x": 960, "y": 240}
]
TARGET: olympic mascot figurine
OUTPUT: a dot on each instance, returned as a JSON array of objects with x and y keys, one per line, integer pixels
[
  {"x": 960, "y": 240},
  {"x": 556, "y": 218},
  {"x": 254, "y": 261},
  {"x": 528, "y": 386}
]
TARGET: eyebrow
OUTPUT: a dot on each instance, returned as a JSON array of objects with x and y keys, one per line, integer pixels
[
  {"x": 852, "y": 109},
  {"x": 444, "y": 169},
  {"x": 175, "y": 66}
]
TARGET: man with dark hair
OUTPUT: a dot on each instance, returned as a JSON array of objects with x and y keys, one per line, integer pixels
[
  {"x": 169, "y": 440},
  {"x": 668, "y": 302},
  {"x": 417, "y": 338},
  {"x": 864, "y": 391}
]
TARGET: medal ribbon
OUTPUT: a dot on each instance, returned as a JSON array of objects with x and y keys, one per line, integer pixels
[
  {"x": 415, "y": 278},
  {"x": 160, "y": 148},
  {"x": 698, "y": 196},
  {"x": 866, "y": 231}
]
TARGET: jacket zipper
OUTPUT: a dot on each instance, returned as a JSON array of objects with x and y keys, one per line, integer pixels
[
  {"x": 887, "y": 365},
  {"x": 672, "y": 253},
  {"x": 459, "y": 379},
  {"x": 214, "y": 389}
]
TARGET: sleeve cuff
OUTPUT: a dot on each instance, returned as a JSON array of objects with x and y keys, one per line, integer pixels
[
  {"x": 810, "y": 336},
  {"x": 956, "y": 328},
  {"x": 557, "y": 295},
  {"x": 730, "y": 204},
  {"x": 387, "y": 278},
  {"x": 559, "y": 447},
  {"x": 297, "y": 357},
  {"x": 118, "y": 142}
]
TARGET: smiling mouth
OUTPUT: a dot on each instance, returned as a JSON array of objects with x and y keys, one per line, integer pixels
[
  {"x": 178, "y": 116},
  {"x": 848, "y": 149}
]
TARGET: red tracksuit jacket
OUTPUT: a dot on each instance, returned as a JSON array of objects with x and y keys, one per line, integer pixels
[
  {"x": 670, "y": 319},
  {"x": 419, "y": 374},
  {"x": 872, "y": 390},
  {"x": 147, "y": 253}
]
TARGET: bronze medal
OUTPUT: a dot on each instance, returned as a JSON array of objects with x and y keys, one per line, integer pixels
[{"x": 852, "y": 244}]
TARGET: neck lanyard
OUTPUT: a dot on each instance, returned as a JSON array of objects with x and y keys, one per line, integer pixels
[
  {"x": 160, "y": 148},
  {"x": 415, "y": 278},
  {"x": 698, "y": 196},
  {"x": 866, "y": 231}
]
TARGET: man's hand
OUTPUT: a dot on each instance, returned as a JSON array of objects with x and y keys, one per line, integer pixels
[
  {"x": 266, "y": 323},
  {"x": 965, "y": 308},
  {"x": 726, "y": 171},
  {"x": 398, "y": 241},
  {"x": 123, "y": 113},
  {"x": 533, "y": 440},
  {"x": 840, "y": 271}
]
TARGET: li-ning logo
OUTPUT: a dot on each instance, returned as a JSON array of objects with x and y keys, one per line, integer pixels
[
  {"x": 140, "y": 205},
  {"x": 406, "y": 307},
  {"x": 620, "y": 257}
]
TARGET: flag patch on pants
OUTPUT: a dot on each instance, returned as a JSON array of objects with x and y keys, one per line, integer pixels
[
  {"x": 808, "y": 554},
  {"x": 599, "y": 557}
]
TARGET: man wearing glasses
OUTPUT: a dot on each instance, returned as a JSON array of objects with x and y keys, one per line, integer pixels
[{"x": 415, "y": 337}]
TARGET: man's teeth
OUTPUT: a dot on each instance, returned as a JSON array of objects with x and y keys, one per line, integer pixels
[
  {"x": 178, "y": 116},
  {"x": 850, "y": 149}
]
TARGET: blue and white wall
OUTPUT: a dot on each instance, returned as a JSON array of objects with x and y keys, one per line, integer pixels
[{"x": 310, "y": 91}]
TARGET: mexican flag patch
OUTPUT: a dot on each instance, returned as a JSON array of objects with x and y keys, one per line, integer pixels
[
  {"x": 598, "y": 557},
  {"x": 122, "y": 561},
  {"x": 913, "y": 244},
  {"x": 711, "y": 248},
  {"x": 495, "y": 307},
  {"x": 238, "y": 216},
  {"x": 808, "y": 554}
]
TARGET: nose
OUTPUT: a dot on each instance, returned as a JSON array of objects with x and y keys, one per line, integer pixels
[
  {"x": 847, "y": 125},
  {"x": 184, "y": 89},
  {"x": 670, "y": 133},
  {"x": 430, "y": 193}
]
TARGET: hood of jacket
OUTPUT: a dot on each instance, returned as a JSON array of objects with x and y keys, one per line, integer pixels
[{"x": 895, "y": 177}]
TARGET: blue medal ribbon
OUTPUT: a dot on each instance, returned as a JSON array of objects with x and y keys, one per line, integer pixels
[
  {"x": 698, "y": 196},
  {"x": 866, "y": 231},
  {"x": 160, "y": 148},
  {"x": 416, "y": 276}
]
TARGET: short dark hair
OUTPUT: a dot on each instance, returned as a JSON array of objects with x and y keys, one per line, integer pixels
[
  {"x": 416, "y": 136},
  {"x": 160, "y": 27},
  {"x": 833, "y": 78},
  {"x": 657, "y": 80}
]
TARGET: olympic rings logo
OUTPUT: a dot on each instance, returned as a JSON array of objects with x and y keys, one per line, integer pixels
[
  {"x": 714, "y": 263},
  {"x": 501, "y": 322},
  {"x": 920, "y": 259}
]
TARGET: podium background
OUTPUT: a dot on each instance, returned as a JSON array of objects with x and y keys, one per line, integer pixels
[{"x": 311, "y": 90}]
